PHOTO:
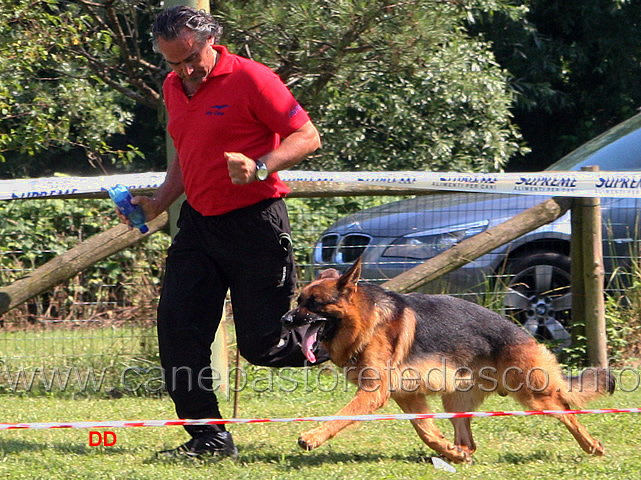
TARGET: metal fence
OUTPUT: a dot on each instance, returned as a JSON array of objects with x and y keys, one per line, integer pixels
[{"x": 98, "y": 329}]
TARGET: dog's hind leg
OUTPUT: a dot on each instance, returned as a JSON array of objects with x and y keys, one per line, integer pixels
[
  {"x": 463, "y": 402},
  {"x": 428, "y": 431},
  {"x": 551, "y": 399},
  {"x": 536, "y": 382}
]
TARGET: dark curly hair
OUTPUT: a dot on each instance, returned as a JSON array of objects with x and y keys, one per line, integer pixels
[{"x": 170, "y": 23}]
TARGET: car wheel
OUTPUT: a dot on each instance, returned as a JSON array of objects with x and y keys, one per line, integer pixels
[{"x": 538, "y": 296}]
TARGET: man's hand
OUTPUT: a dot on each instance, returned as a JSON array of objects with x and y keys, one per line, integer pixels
[
  {"x": 164, "y": 196},
  {"x": 242, "y": 169},
  {"x": 149, "y": 206}
]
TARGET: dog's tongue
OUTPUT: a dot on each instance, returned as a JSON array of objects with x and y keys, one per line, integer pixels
[{"x": 310, "y": 337}]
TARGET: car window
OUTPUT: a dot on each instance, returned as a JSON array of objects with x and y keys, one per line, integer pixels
[{"x": 618, "y": 149}]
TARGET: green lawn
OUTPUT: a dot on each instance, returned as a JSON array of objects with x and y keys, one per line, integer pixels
[{"x": 508, "y": 447}]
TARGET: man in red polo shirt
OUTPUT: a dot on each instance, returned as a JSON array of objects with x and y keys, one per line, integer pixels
[{"x": 234, "y": 125}]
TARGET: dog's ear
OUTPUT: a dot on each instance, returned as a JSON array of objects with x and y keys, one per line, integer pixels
[
  {"x": 329, "y": 273},
  {"x": 350, "y": 278}
]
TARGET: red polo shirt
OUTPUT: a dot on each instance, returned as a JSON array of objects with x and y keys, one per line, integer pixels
[{"x": 243, "y": 107}]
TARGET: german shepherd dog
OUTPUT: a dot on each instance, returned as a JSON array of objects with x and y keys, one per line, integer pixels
[{"x": 410, "y": 346}]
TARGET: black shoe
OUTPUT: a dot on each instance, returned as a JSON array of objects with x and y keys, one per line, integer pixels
[{"x": 216, "y": 444}]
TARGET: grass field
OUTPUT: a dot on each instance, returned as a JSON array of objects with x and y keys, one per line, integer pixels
[{"x": 508, "y": 447}]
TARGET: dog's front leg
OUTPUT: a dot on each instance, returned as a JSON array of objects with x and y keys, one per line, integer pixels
[{"x": 365, "y": 402}]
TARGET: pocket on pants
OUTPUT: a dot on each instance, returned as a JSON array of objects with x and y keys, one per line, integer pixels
[{"x": 275, "y": 216}]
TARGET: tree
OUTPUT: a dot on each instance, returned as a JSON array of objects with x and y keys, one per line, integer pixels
[
  {"x": 576, "y": 68},
  {"x": 70, "y": 74},
  {"x": 392, "y": 85}
]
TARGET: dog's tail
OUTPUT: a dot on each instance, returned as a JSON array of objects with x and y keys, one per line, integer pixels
[{"x": 588, "y": 385}]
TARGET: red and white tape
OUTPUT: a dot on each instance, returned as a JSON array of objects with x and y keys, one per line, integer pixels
[{"x": 356, "y": 418}]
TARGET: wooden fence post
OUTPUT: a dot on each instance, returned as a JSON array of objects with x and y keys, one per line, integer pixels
[
  {"x": 219, "y": 359},
  {"x": 593, "y": 277}
]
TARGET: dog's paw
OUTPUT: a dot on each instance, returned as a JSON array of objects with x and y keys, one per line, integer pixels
[
  {"x": 310, "y": 440},
  {"x": 457, "y": 454},
  {"x": 304, "y": 445},
  {"x": 598, "y": 449}
]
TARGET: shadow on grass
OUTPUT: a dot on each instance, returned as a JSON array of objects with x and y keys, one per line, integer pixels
[
  {"x": 292, "y": 460},
  {"x": 26, "y": 446},
  {"x": 300, "y": 460},
  {"x": 521, "y": 459}
]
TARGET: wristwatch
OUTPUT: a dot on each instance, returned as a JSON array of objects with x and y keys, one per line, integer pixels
[{"x": 261, "y": 171}]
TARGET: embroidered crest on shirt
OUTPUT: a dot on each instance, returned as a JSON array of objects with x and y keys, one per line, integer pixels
[{"x": 217, "y": 110}]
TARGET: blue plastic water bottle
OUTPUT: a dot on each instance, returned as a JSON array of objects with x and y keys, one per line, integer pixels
[{"x": 122, "y": 198}]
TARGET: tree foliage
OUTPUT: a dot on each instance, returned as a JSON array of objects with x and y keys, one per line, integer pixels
[
  {"x": 68, "y": 79},
  {"x": 392, "y": 85},
  {"x": 575, "y": 66},
  {"x": 35, "y": 231}
]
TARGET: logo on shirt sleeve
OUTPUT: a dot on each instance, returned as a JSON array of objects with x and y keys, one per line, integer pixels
[{"x": 295, "y": 110}]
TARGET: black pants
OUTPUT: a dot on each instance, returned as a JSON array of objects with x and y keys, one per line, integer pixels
[{"x": 248, "y": 252}]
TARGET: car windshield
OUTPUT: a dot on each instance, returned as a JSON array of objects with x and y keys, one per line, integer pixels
[{"x": 618, "y": 149}]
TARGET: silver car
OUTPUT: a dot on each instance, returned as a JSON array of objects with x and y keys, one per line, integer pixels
[{"x": 532, "y": 273}]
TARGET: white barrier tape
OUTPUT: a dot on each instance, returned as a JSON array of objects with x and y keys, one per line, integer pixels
[
  {"x": 355, "y": 418},
  {"x": 571, "y": 184},
  {"x": 72, "y": 186}
]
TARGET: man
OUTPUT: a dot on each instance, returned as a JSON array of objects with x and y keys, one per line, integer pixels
[{"x": 234, "y": 125}]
